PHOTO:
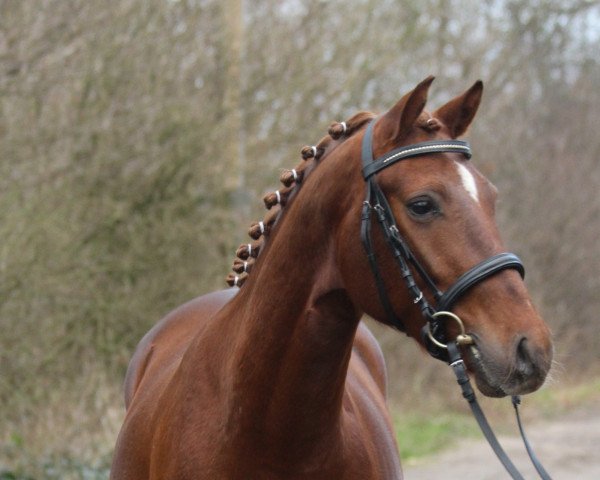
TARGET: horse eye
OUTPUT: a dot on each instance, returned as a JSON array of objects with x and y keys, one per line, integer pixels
[{"x": 422, "y": 207}]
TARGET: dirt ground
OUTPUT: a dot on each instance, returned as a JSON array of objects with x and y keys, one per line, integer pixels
[{"x": 568, "y": 447}]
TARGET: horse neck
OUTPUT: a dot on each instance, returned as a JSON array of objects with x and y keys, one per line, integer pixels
[{"x": 294, "y": 328}]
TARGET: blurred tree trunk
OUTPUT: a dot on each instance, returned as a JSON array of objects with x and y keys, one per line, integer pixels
[{"x": 232, "y": 136}]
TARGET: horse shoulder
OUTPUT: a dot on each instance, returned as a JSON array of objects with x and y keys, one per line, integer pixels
[
  {"x": 369, "y": 437},
  {"x": 166, "y": 342},
  {"x": 154, "y": 366}
]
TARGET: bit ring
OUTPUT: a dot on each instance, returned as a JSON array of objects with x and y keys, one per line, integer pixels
[{"x": 461, "y": 339}]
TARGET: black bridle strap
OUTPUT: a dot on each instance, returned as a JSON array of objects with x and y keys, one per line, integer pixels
[
  {"x": 375, "y": 201},
  {"x": 516, "y": 401},
  {"x": 365, "y": 235},
  {"x": 478, "y": 273},
  {"x": 462, "y": 378},
  {"x": 458, "y": 366},
  {"x": 414, "y": 150},
  {"x": 400, "y": 248},
  {"x": 365, "y": 232}
]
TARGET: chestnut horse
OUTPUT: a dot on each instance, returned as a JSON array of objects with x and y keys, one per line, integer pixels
[{"x": 280, "y": 379}]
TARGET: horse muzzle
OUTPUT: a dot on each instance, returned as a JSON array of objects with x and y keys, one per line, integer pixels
[{"x": 523, "y": 370}]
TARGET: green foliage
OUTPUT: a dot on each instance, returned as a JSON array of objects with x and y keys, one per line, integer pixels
[
  {"x": 6, "y": 475},
  {"x": 419, "y": 435}
]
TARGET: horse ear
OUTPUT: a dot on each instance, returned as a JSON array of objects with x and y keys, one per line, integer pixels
[
  {"x": 458, "y": 113},
  {"x": 399, "y": 120}
]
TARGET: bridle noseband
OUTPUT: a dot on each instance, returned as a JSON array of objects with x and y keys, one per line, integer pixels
[
  {"x": 433, "y": 332},
  {"x": 375, "y": 201}
]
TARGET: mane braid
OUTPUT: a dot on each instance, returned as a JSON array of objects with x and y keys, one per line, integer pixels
[{"x": 292, "y": 180}]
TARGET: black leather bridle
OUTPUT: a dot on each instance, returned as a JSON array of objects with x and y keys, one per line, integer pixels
[
  {"x": 433, "y": 332},
  {"x": 375, "y": 201}
]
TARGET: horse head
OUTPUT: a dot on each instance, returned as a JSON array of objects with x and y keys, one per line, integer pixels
[{"x": 443, "y": 209}]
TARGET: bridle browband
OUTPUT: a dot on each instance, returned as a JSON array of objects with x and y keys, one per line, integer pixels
[{"x": 433, "y": 332}]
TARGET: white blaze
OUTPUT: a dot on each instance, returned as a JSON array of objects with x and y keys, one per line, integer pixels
[{"x": 468, "y": 181}]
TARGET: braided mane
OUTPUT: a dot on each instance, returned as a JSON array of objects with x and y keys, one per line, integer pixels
[{"x": 292, "y": 181}]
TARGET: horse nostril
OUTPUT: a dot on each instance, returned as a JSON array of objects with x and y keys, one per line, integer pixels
[{"x": 525, "y": 364}]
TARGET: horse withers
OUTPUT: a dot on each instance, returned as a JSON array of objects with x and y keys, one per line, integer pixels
[{"x": 280, "y": 379}]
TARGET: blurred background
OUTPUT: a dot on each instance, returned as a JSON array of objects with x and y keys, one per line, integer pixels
[{"x": 137, "y": 138}]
